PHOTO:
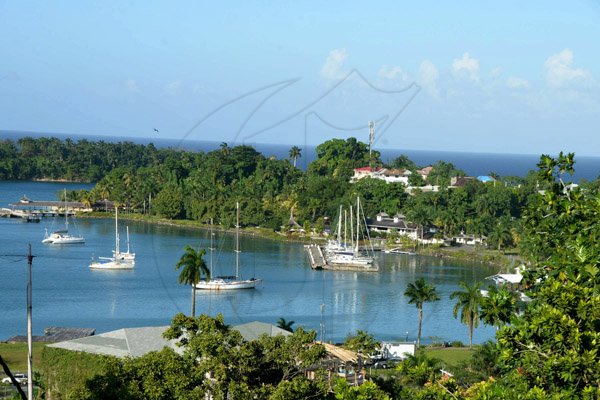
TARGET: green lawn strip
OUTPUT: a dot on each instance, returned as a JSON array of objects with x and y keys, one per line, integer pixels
[
  {"x": 450, "y": 356},
  {"x": 15, "y": 355}
]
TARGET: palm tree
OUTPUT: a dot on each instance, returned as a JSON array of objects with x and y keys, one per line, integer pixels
[
  {"x": 285, "y": 325},
  {"x": 193, "y": 269},
  {"x": 225, "y": 149},
  {"x": 468, "y": 303},
  {"x": 295, "y": 153},
  {"x": 419, "y": 293}
]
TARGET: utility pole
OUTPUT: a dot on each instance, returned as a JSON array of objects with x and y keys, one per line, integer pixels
[
  {"x": 29, "y": 328},
  {"x": 371, "y": 139}
]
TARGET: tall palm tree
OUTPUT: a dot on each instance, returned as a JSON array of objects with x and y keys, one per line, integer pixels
[
  {"x": 285, "y": 325},
  {"x": 295, "y": 153},
  {"x": 419, "y": 293},
  {"x": 468, "y": 303},
  {"x": 193, "y": 268}
]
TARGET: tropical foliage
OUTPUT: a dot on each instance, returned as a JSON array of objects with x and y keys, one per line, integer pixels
[
  {"x": 419, "y": 293},
  {"x": 468, "y": 303},
  {"x": 193, "y": 268}
]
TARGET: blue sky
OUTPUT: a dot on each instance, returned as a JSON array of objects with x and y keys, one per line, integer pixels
[{"x": 514, "y": 77}]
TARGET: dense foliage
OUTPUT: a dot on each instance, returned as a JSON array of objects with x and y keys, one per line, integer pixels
[
  {"x": 179, "y": 184},
  {"x": 549, "y": 349}
]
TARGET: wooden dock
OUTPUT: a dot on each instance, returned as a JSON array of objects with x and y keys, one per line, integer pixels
[
  {"x": 315, "y": 256},
  {"x": 318, "y": 261}
]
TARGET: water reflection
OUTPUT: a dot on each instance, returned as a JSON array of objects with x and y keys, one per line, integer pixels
[{"x": 67, "y": 293}]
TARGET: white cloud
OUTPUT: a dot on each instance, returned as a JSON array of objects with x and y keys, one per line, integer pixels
[
  {"x": 514, "y": 82},
  {"x": 132, "y": 86},
  {"x": 559, "y": 71},
  {"x": 173, "y": 88},
  {"x": 466, "y": 66},
  {"x": 333, "y": 67},
  {"x": 392, "y": 72},
  {"x": 428, "y": 77}
]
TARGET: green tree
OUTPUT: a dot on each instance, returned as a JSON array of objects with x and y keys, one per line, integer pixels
[
  {"x": 468, "y": 302},
  {"x": 285, "y": 325},
  {"x": 498, "y": 306},
  {"x": 192, "y": 268},
  {"x": 295, "y": 154},
  {"x": 419, "y": 293},
  {"x": 403, "y": 162},
  {"x": 362, "y": 342}
]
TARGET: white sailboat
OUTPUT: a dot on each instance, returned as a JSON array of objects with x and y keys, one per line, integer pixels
[
  {"x": 128, "y": 255},
  {"x": 116, "y": 262},
  {"x": 229, "y": 282},
  {"x": 62, "y": 236},
  {"x": 341, "y": 253}
]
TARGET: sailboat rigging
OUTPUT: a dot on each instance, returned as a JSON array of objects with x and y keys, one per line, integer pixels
[
  {"x": 229, "y": 282},
  {"x": 62, "y": 236},
  {"x": 117, "y": 261},
  {"x": 341, "y": 253}
]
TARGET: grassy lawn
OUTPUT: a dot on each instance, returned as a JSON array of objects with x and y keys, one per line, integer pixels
[
  {"x": 450, "y": 356},
  {"x": 15, "y": 355}
]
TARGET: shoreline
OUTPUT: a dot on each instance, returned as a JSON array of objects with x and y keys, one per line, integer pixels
[{"x": 472, "y": 254}]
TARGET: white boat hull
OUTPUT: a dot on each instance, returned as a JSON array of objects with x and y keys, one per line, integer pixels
[
  {"x": 226, "y": 284},
  {"x": 56, "y": 238},
  {"x": 112, "y": 265}
]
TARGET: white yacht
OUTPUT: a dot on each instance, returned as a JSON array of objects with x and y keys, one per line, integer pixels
[
  {"x": 229, "y": 282},
  {"x": 341, "y": 253},
  {"x": 62, "y": 236},
  {"x": 117, "y": 261}
]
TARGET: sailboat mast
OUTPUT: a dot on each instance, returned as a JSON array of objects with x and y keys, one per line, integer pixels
[
  {"x": 357, "y": 222},
  {"x": 66, "y": 217},
  {"x": 211, "y": 247},
  {"x": 116, "y": 231},
  {"x": 237, "y": 239},
  {"x": 339, "y": 233},
  {"x": 351, "y": 228}
]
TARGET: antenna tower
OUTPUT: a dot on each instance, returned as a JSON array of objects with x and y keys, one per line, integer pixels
[{"x": 371, "y": 138}]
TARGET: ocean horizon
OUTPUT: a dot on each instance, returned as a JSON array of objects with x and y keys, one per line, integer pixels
[{"x": 473, "y": 163}]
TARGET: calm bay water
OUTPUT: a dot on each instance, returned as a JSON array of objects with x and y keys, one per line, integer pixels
[{"x": 67, "y": 293}]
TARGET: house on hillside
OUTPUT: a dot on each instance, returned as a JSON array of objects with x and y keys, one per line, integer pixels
[
  {"x": 364, "y": 172},
  {"x": 339, "y": 363},
  {"x": 387, "y": 175},
  {"x": 424, "y": 172},
  {"x": 468, "y": 239},
  {"x": 395, "y": 175},
  {"x": 135, "y": 342},
  {"x": 384, "y": 223}
]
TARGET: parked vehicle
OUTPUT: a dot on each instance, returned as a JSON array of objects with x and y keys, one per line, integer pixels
[{"x": 21, "y": 378}]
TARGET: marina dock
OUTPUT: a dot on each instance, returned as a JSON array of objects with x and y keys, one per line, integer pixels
[{"x": 319, "y": 262}]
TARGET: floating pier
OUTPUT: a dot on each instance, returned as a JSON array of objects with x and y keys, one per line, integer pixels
[{"x": 318, "y": 261}]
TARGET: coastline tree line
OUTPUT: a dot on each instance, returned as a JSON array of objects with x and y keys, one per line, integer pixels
[
  {"x": 548, "y": 350},
  {"x": 179, "y": 184}
]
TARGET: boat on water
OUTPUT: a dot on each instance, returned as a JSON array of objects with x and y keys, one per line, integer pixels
[
  {"x": 341, "y": 253},
  {"x": 228, "y": 282},
  {"x": 118, "y": 260},
  {"x": 63, "y": 236},
  {"x": 125, "y": 256}
]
